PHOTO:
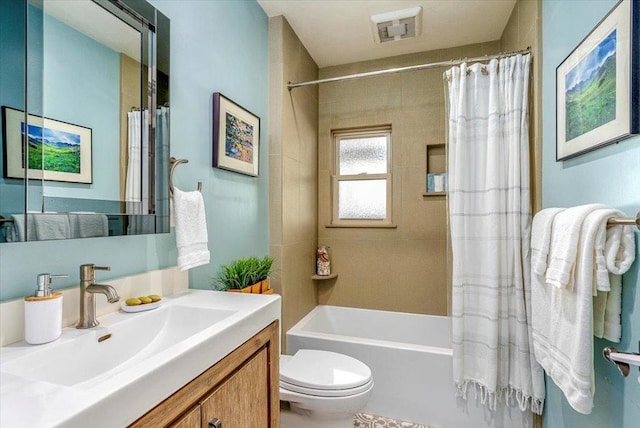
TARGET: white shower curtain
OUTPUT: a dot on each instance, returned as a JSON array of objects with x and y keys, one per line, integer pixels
[
  {"x": 136, "y": 169},
  {"x": 490, "y": 218}
]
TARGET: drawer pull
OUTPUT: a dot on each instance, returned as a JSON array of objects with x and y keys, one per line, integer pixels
[{"x": 215, "y": 423}]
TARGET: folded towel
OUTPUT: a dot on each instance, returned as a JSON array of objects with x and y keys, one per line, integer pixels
[
  {"x": 620, "y": 249},
  {"x": 607, "y": 307},
  {"x": 85, "y": 225},
  {"x": 49, "y": 226},
  {"x": 15, "y": 231},
  {"x": 565, "y": 234},
  {"x": 191, "y": 229},
  {"x": 541, "y": 238},
  {"x": 612, "y": 326}
]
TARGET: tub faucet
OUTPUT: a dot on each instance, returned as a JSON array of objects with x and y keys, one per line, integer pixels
[{"x": 88, "y": 290}]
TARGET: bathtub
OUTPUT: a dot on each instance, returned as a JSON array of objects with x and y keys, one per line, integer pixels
[{"x": 410, "y": 358}]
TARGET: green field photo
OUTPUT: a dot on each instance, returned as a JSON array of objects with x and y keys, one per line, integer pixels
[
  {"x": 590, "y": 97},
  {"x": 52, "y": 150}
]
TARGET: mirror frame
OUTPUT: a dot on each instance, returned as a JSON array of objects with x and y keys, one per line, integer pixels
[{"x": 155, "y": 30}]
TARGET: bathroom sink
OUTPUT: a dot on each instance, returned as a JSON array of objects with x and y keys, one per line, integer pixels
[
  {"x": 104, "y": 350},
  {"x": 112, "y": 374}
]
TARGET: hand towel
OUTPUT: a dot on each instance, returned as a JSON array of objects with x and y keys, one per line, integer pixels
[
  {"x": 49, "y": 226},
  {"x": 565, "y": 234},
  {"x": 541, "y": 238},
  {"x": 88, "y": 225},
  {"x": 191, "y": 229}
]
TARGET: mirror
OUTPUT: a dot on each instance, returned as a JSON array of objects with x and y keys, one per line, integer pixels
[{"x": 91, "y": 80}]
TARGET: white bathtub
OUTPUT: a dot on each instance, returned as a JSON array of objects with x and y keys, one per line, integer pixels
[{"x": 410, "y": 357}]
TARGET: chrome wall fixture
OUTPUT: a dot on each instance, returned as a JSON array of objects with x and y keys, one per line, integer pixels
[
  {"x": 625, "y": 221},
  {"x": 172, "y": 168}
]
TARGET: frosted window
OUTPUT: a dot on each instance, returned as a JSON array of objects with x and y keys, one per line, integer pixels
[
  {"x": 362, "y": 199},
  {"x": 363, "y": 156}
]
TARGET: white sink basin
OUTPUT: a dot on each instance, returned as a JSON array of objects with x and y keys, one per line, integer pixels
[
  {"x": 133, "y": 339},
  {"x": 78, "y": 381}
]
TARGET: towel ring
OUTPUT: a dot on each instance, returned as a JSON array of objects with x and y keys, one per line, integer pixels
[{"x": 172, "y": 168}]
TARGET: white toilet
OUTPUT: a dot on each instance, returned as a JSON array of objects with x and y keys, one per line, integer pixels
[{"x": 324, "y": 389}]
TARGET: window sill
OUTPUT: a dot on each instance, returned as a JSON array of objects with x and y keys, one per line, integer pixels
[{"x": 361, "y": 226}]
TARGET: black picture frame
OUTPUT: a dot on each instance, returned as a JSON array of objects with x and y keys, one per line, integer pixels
[
  {"x": 65, "y": 152},
  {"x": 598, "y": 85},
  {"x": 236, "y": 137}
]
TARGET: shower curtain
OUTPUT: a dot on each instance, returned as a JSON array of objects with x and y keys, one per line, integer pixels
[
  {"x": 133, "y": 189},
  {"x": 137, "y": 184},
  {"x": 490, "y": 217}
]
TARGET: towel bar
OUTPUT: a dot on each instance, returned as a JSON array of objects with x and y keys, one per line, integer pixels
[
  {"x": 625, "y": 221},
  {"x": 622, "y": 360},
  {"x": 174, "y": 164},
  {"x": 5, "y": 220}
]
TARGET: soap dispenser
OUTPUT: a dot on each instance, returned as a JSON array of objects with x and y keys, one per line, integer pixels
[{"x": 43, "y": 312}]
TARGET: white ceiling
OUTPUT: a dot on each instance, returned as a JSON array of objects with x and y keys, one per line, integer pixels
[
  {"x": 339, "y": 31},
  {"x": 97, "y": 23}
]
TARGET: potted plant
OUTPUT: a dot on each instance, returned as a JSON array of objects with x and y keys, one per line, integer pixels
[
  {"x": 263, "y": 270},
  {"x": 247, "y": 275}
]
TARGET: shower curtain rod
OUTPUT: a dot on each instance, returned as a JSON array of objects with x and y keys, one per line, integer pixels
[{"x": 450, "y": 63}]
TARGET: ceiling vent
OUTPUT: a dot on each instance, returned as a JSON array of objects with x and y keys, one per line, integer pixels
[{"x": 398, "y": 25}]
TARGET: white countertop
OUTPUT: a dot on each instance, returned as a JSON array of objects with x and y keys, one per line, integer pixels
[{"x": 124, "y": 393}]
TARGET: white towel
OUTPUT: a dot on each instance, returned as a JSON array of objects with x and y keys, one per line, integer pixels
[
  {"x": 562, "y": 336},
  {"x": 563, "y": 317},
  {"x": 565, "y": 234},
  {"x": 88, "y": 225},
  {"x": 541, "y": 238},
  {"x": 191, "y": 229},
  {"x": 49, "y": 226},
  {"x": 620, "y": 249},
  {"x": 619, "y": 254},
  {"x": 607, "y": 307}
]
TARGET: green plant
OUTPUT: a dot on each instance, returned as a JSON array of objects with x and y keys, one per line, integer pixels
[
  {"x": 263, "y": 268},
  {"x": 244, "y": 272}
]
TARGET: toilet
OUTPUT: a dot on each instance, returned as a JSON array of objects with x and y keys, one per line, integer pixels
[{"x": 324, "y": 389}]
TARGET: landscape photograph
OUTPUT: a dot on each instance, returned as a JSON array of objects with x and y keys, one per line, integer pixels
[
  {"x": 53, "y": 150},
  {"x": 590, "y": 89}
]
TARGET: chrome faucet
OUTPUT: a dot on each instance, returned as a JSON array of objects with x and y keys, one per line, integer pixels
[{"x": 88, "y": 290}]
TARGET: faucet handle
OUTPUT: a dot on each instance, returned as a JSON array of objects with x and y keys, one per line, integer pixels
[{"x": 44, "y": 283}]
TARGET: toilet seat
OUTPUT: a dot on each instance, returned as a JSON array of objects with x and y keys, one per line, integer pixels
[
  {"x": 324, "y": 374},
  {"x": 327, "y": 392}
]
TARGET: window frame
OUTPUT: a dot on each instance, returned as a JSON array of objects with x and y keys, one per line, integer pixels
[{"x": 336, "y": 178}]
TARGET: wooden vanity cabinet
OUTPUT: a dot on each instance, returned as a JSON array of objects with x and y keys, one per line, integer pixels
[{"x": 240, "y": 391}]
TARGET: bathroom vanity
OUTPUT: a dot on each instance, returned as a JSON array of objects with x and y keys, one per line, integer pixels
[
  {"x": 239, "y": 391},
  {"x": 201, "y": 355}
]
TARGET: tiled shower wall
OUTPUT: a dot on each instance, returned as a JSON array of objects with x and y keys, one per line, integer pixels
[
  {"x": 405, "y": 268},
  {"x": 293, "y": 160}
]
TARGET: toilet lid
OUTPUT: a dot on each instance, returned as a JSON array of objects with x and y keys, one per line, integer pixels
[{"x": 323, "y": 370}]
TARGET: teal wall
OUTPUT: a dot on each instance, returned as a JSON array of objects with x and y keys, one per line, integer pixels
[
  {"x": 610, "y": 175},
  {"x": 215, "y": 46},
  {"x": 81, "y": 85}
]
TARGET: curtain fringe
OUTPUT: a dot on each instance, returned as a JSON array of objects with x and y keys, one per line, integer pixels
[{"x": 492, "y": 398}]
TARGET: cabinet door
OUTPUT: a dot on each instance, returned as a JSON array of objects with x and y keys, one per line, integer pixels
[
  {"x": 192, "y": 419},
  {"x": 242, "y": 400}
]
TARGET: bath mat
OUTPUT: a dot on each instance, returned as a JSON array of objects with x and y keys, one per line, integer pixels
[{"x": 363, "y": 420}]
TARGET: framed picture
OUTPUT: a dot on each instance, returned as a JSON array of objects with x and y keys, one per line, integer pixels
[
  {"x": 236, "y": 137},
  {"x": 598, "y": 85},
  {"x": 56, "y": 151}
]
